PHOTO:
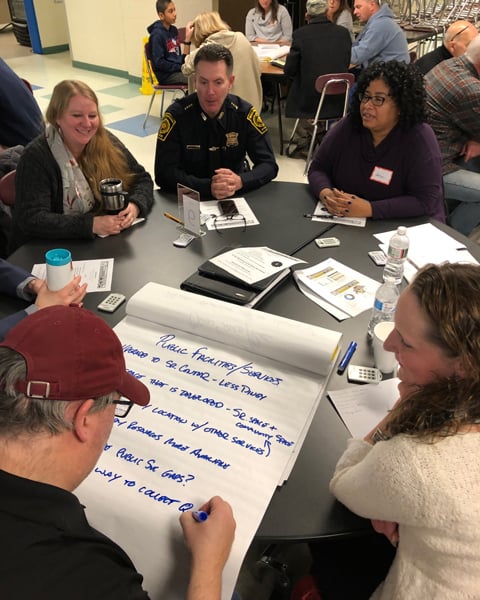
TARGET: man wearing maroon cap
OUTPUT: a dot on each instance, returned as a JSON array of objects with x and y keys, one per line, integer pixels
[{"x": 62, "y": 380}]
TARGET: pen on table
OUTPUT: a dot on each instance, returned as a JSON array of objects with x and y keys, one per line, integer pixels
[
  {"x": 308, "y": 216},
  {"x": 200, "y": 515},
  {"x": 346, "y": 357},
  {"x": 172, "y": 218}
]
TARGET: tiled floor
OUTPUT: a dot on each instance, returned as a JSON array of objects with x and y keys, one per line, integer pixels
[
  {"x": 122, "y": 105},
  {"x": 123, "y": 108}
]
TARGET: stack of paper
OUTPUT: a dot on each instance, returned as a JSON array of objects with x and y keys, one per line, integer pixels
[
  {"x": 322, "y": 214},
  {"x": 363, "y": 407},
  {"x": 428, "y": 244},
  {"x": 268, "y": 52},
  {"x": 341, "y": 291}
]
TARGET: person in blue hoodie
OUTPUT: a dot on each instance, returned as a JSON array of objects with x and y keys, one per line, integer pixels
[
  {"x": 165, "y": 49},
  {"x": 20, "y": 116},
  {"x": 382, "y": 39}
]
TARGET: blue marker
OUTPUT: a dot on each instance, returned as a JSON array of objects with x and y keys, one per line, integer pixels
[
  {"x": 200, "y": 515},
  {"x": 346, "y": 357}
]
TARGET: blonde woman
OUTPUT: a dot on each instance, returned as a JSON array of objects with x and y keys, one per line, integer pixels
[
  {"x": 208, "y": 27},
  {"x": 57, "y": 179}
]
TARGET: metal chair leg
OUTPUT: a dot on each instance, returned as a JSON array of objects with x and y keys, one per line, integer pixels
[
  {"x": 287, "y": 151},
  {"x": 311, "y": 147},
  {"x": 149, "y": 108},
  {"x": 163, "y": 102}
]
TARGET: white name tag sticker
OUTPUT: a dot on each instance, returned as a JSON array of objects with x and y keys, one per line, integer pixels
[{"x": 381, "y": 175}]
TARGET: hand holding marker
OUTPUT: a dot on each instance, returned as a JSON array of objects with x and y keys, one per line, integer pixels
[{"x": 200, "y": 515}]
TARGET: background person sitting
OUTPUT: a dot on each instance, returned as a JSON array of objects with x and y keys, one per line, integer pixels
[
  {"x": 204, "y": 138},
  {"x": 339, "y": 12},
  {"x": 165, "y": 50},
  {"x": 318, "y": 48},
  {"x": 455, "y": 42},
  {"x": 382, "y": 160},
  {"x": 20, "y": 116},
  {"x": 268, "y": 23},
  {"x": 208, "y": 27},
  {"x": 382, "y": 38},
  {"x": 453, "y": 95},
  {"x": 58, "y": 176}
]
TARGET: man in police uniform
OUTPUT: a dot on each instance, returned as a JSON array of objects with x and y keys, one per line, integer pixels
[{"x": 204, "y": 138}]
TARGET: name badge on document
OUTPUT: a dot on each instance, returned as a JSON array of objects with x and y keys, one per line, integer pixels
[{"x": 381, "y": 175}]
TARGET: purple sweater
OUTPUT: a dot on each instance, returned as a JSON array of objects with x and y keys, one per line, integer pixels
[{"x": 409, "y": 163}]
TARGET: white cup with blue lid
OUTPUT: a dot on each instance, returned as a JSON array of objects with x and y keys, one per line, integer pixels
[{"x": 59, "y": 268}]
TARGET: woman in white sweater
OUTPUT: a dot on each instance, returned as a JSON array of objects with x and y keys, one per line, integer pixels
[
  {"x": 209, "y": 28},
  {"x": 417, "y": 474}
]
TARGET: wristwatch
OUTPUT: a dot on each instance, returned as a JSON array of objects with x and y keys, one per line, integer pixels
[{"x": 379, "y": 436}]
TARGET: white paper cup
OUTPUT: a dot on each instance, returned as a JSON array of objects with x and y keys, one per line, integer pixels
[
  {"x": 59, "y": 268},
  {"x": 385, "y": 361}
]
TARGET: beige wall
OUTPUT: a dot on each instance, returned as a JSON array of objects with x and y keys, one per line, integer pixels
[
  {"x": 4, "y": 12},
  {"x": 52, "y": 23},
  {"x": 108, "y": 34}
]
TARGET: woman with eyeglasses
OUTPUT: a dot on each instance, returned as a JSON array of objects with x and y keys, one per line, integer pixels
[{"x": 382, "y": 160}]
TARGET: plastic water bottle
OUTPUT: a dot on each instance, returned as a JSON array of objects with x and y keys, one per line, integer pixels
[
  {"x": 397, "y": 255},
  {"x": 384, "y": 305}
]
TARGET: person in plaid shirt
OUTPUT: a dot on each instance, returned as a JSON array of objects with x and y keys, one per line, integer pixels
[{"x": 453, "y": 102}]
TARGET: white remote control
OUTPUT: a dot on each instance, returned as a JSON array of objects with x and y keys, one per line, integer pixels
[
  {"x": 183, "y": 240},
  {"x": 358, "y": 374},
  {"x": 327, "y": 242},
  {"x": 111, "y": 302},
  {"x": 379, "y": 257}
]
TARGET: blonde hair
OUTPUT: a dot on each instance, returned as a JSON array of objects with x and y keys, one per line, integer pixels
[
  {"x": 100, "y": 158},
  {"x": 205, "y": 24}
]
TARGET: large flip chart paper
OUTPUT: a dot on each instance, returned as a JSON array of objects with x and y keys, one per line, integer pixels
[{"x": 233, "y": 392}]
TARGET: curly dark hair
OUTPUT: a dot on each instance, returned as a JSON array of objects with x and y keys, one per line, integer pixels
[
  {"x": 406, "y": 88},
  {"x": 449, "y": 295}
]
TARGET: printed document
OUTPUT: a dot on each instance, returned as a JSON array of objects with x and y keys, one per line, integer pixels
[
  {"x": 254, "y": 264},
  {"x": 338, "y": 287}
]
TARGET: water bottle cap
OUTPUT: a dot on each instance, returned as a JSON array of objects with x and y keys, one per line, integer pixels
[
  {"x": 58, "y": 257},
  {"x": 389, "y": 279},
  {"x": 402, "y": 230}
]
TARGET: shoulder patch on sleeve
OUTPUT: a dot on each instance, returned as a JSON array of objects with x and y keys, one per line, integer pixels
[
  {"x": 256, "y": 120},
  {"x": 168, "y": 123}
]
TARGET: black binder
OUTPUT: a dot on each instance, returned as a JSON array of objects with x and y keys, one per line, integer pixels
[{"x": 213, "y": 281}]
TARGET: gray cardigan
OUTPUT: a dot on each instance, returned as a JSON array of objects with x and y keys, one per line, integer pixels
[{"x": 38, "y": 211}]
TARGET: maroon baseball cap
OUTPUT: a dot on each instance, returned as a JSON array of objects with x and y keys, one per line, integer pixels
[{"x": 71, "y": 354}]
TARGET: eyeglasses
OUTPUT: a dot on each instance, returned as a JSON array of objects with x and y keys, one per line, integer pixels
[
  {"x": 459, "y": 32},
  {"x": 376, "y": 100},
  {"x": 122, "y": 407},
  {"x": 220, "y": 219}
]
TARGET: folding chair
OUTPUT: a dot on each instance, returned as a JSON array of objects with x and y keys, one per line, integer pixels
[
  {"x": 326, "y": 85},
  {"x": 157, "y": 87}
]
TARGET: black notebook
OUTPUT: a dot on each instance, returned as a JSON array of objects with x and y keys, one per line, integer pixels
[{"x": 213, "y": 281}]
